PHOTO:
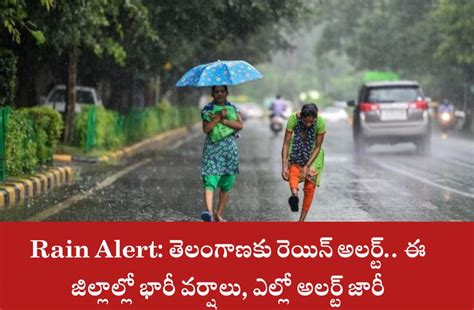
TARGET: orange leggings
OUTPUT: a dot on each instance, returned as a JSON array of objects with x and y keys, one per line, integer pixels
[{"x": 309, "y": 188}]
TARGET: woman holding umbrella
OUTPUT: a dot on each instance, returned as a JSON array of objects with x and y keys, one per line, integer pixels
[
  {"x": 220, "y": 122},
  {"x": 303, "y": 156},
  {"x": 220, "y": 163}
]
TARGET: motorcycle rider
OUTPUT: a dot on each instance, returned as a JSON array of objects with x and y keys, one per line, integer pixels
[
  {"x": 445, "y": 115},
  {"x": 277, "y": 118},
  {"x": 278, "y": 106},
  {"x": 446, "y": 107}
]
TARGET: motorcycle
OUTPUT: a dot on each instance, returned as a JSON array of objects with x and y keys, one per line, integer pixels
[
  {"x": 445, "y": 121},
  {"x": 277, "y": 122}
]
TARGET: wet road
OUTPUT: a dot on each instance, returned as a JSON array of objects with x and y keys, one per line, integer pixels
[{"x": 391, "y": 183}]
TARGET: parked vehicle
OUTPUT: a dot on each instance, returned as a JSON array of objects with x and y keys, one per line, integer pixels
[
  {"x": 84, "y": 96},
  {"x": 391, "y": 112}
]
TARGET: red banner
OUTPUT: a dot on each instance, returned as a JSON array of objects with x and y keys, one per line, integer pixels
[{"x": 236, "y": 265}]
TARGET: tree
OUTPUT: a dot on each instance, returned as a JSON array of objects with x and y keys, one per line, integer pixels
[
  {"x": 456, "y": 27},
  {"x": 7, "y": 76},
  {"x": 14, "y": 15},
  {"x": 426, "y": 40},
  {"x": 78, "y": 25},
  {"x": 122, "y": 41},
  {"x": 192, "y": 33}
]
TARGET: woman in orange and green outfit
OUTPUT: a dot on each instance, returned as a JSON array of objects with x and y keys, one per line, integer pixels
[{"x": 303, "y": 156}]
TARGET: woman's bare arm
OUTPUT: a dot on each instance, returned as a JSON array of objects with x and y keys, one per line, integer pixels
[
  {"x": 207, "y": 126},
  {"x": 317, "y": 149},
  {"x": 237, "y": 124},
  {"x": 284, "y": 154}
]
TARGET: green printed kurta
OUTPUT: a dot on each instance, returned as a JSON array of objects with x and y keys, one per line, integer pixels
[{"x": 221, "y": 157}]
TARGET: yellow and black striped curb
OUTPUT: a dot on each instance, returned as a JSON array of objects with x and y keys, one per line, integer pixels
[
  {"x": 128, "y": 151},
  {"x": 17, "y": 189}
]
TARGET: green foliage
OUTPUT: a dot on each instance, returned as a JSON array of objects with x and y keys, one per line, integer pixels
[
  {"x": 48, "y": 126},
  {"x": 140, "y": 36},
  {"x": 106, "y": 137},
  {"x": 134, "y": 125},
  {"x": 98, "y": 26},
  {"x": 164, "y": 115},
  {"x": 424, "y": 40},
  {"x": 150, "y": 122},
  {"x": 14, "y": 15},
  {"x": 7, "y": 76},
  {"x": 31, "y": 136},
  {"x": 95, "y": 27},
  {"x": 106, "y": 134},
  {"x": 164, "y": 39},
  {"x": 14, "y": 151},
  {"x": 256, "y": 29},
  {"x": 114, "y": 131},
  {"x": 456, "y": 25},
  {"x": 80, "y": 128}
]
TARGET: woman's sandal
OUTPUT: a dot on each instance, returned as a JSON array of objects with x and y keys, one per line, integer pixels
[
  {"x": 206, "y": 216},
  {"x": 294, "y": 201},
  {"x": 219, "y": 219}
]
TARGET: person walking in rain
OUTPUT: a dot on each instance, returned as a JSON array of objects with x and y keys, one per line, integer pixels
[
  {"x": 303, "y": 156},
  {"x": 220, "y": 163}
]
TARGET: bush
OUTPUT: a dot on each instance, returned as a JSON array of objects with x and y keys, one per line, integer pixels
[
  {"x": 31, "y": 136},
  {"x": 164, "y": 119},
  {"x": 20, "y": 146},
  {"x": 133, "y": 125},
  {"x": 48, "y": 126},
  {"x": 107, "y": 133},
  {"x": 113, "y": 130},
  {"x": 150, "y": 122},
  {"x": 80, "y": 128}
]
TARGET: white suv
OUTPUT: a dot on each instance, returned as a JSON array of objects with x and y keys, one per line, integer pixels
[
  {"x": 391, "y": 112},
  {"x": 84, "y": 95}
]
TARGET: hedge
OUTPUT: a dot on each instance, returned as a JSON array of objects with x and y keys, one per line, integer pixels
[
  {"x": 31, "y": 136},
  {"x": 111, "y": 130},
  {"x": 107, "y": 133}
]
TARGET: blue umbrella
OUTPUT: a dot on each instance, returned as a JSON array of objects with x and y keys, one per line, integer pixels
[{"x": 231, "y": 72}]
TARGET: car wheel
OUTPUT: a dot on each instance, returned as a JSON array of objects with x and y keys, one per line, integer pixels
[
  {"x": 423, "y": 146},
  {"x": 360, "y": 145}
]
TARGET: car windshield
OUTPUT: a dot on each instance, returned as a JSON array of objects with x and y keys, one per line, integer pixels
[
  {"x": 83, "y": 97},
  {"x": 59, "y": 95},
  {"x": 393, "y": 94}
]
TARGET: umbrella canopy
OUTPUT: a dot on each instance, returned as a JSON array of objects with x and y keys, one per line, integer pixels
[{"x": 231, "y": 72}]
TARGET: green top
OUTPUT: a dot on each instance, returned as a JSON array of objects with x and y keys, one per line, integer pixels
[
  {"x": 320, "y": 124},
  {"x": 318, "y": 163},
  {"x": 220, "y": 131}
]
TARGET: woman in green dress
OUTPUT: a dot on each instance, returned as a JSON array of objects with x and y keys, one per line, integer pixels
[
  {"x": 303, "y": 156},
  {"x": 220, "y": 122}
]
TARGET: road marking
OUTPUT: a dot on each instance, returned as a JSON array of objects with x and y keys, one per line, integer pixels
[
  {"x": 457, "y": 162},
  {"x": 78, "y": 197},
  {"x": 422, "y": 180},
  {"x": 368, "y": 181}
]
